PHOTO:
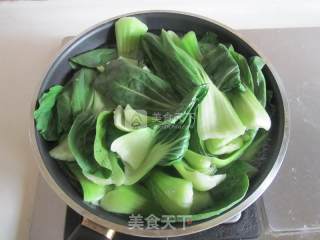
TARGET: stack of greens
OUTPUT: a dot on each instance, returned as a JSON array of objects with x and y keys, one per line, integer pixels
[{"x": 157, "y": 124}]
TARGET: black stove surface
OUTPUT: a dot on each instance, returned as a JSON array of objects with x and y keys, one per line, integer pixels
[{"x": 247, "y": 228}]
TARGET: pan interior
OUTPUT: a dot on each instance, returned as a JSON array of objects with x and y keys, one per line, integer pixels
[{"x": 104, "y": 33}]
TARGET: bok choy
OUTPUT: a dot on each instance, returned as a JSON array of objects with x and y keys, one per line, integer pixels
[
  {"x": 173, "y": 194},
  {"x": 157, "y": 124}
]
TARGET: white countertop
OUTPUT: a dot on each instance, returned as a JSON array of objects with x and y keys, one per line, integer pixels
[{"x": 30, "y": 35}]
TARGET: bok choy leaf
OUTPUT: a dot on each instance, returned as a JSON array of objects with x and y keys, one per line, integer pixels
[
  {"x": 62, "y": 151},
  {"x": 201, "y": 201},
  {"x": 248, "y": 137},
  {"x": 225, "y": 149},
  {"x": 250, "y": 111},
  {"x": 100, "y": 148},
  {"x": 127, "y": 200},
  {"x": 208, "y": 42},
  {"x": 82, "y": 98},
  {"x": 81, "y": 141},
  {"x": 200, "y": 181},
  {"x": 256, "y": 64},
  {"x": 131, "y": 151},
  {"x": 97, "y": 163},
  {"x": 127, "y": 83},
  {"x": 161, "y": 146},
  {"x": 189, "y": 43},
  {"x": 96, "y": 58},
  {"x": 64, "y": 109},
  {"x": 180, "y": 69},
  {"x": 173, "y": 194},
  {"x": 161, "y": 124},
  {"x": 245, "y": 72},
  {"x": 227, "y": 194},
  {"x": 92, "y": 192},
  {"x": 200, "y": 162},
  {"x": 45, "y": 116},
  {"x": 129, "y": 31},
  {"x": 222, "y": 69},
  {"x": 116, "y": 176},
  {"x": 219, "y": 121}
]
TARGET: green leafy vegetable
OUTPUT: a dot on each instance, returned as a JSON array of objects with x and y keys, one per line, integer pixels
[
  {"x": 196, "y": 144},
  {"x": 222, "y": 69},
  {"x": 173, "y": 138},
  {"x": 82, "y": 95},
  {"x": 91, "y": 192},
  {"x": 99, "y": 104},
  {"x": 64, "y": 109},
  {"x": 230, "y": 125},
  {"x": 99, "y": 168},
  {"x": 162, "y": 124},
  {"x": 98, "y": 177},
  {"x": 96, "y": 58},
  {"x": 142, "y": 90},
  {"x": 226, "y": 160},
  {"x": 245, "y": 73},
  {"x": 62, "y": 151},
  {"x": 200, "y": 181},
  {"x": 219, "y": 122},
  {"x": 127, "y": 83},
  {"x": 77, "y": 96},
  {"x": 227, "y": 194},
  {"x": 208, "y": 42},
  {"x": 112, "y": 133},
  {"x": 81, "y": 141},
  {"x": 45, "y": 116},
  {"x": 182, "y": 70},
  {"x": 116, "y": 176},
  {"x": 131, "y": 151},
  {"x": 161, "y": 146},
  {"x": 200, "y": 162},
  {"x": 201, "y": 201},
  {"x": 126, "y": 200},
  {"x": 250, "y": 111},
  {"x": 101, "y": 153},
  {"x": 174, "y": 37},
  {"x": 173, "y": 194},
  {"x": 256, "y": 64},
  {"x": 225, "y": 149},
  {"x": 129, "y": 31},
  {"x": 189, "y": 43}
]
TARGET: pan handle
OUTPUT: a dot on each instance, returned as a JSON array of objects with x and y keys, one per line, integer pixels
[{"x": 90, "y": 230}]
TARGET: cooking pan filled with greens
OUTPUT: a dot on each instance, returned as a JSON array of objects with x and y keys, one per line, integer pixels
[{"x": 161, "y": 122}]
